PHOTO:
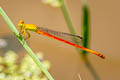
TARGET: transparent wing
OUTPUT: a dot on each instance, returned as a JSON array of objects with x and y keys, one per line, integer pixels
[{"x": 65, "y": 36}]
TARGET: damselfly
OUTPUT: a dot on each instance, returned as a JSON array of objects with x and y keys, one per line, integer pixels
[{"x": 60, "y": 36}]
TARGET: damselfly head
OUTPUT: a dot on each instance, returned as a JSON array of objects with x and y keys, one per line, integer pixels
[{"x": 21, "y": 23}]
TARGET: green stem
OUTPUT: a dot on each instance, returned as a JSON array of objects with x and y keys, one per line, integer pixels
[
  {"x": 27, "y": 48},
  {"x": 85, "y": 32},
  {"x": 85, "y": 27},
  {"x": 67, "y": 17},
  {"x": 69, "y": 22}
]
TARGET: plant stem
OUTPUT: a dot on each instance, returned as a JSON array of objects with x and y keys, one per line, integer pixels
[
  {"x": 67, "y": 17},
  {"x": 86, "y": 32},
  {"x": 69, "y": 22},
  {"x": 85, "y": 26},
  {"x": 24, "y": 44}
]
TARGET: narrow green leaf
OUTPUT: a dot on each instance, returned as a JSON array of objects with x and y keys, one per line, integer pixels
[{"x": 85, "y": 26}]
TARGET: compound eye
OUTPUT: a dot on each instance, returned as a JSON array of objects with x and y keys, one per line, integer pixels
[{"x": 21, "y": 21}]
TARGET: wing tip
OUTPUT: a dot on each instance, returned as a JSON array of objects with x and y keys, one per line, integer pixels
[{"x": 80, "y": 37}]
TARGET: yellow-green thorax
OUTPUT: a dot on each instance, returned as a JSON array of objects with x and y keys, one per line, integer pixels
[{"x": 30, "y": 27}]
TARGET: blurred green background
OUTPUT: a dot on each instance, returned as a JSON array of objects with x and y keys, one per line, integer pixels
[{"x": 66, "y": 62}]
